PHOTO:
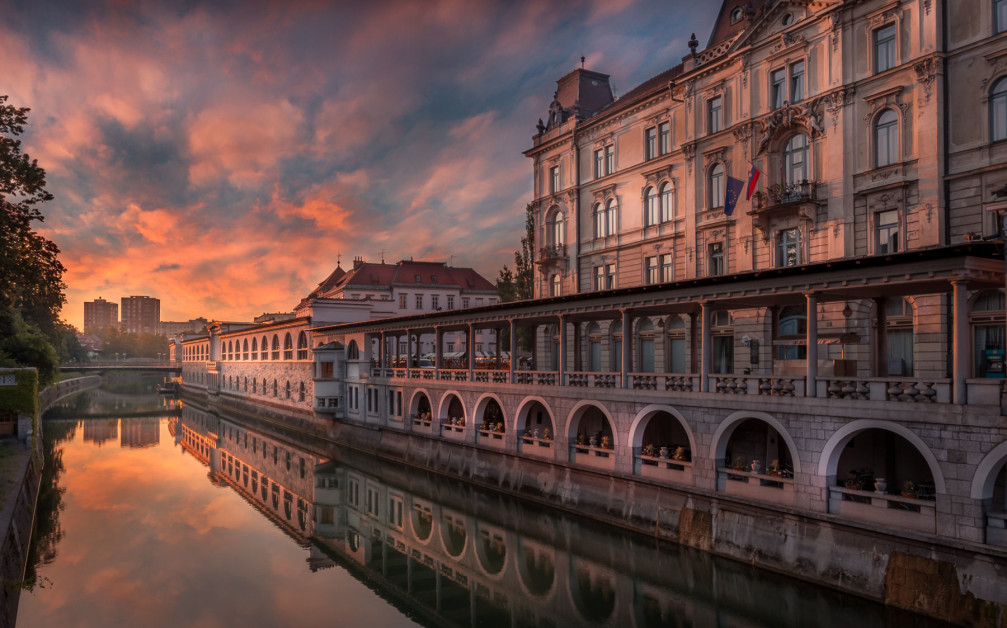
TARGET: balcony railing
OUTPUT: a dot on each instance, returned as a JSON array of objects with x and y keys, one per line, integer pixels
[
  {"x": 786, "y": 194},
  {"x": 552, "y": 252}
]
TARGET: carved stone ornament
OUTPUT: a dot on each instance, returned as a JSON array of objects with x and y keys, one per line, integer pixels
[
  {"x": 926, "y": 74},
  {"x": 787, "y": 40},
  {"x": 835, "y": 101},
  {"x": 883, "y": 17},
  {"x": 837, "y": 24},
  {"x": 687, "y": 95},
  {"x": 789, "y": 117},
  {"x": 689, "y": 150}
]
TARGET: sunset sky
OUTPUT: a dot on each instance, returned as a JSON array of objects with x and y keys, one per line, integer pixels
[{"x": 220, "y": 156}]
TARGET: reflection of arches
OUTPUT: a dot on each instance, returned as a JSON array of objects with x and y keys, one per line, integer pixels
[
  {"x": 491, "y": 548},
  {"x": 673, "y": 428},
  {"x": 829, "y": 461},
  {"x": 535, "y": 413},
  {"x": 536, "y": 567},
  {"x": 453, "y": 533},
  {"x": 590, "y": 418},
  {"x": 726, "y": 428},
  {"x": 592, "y": 590},
  {"x": 421, "y": 520}
]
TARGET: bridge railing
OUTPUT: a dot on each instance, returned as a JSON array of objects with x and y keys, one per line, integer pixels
[{"x": 131, "y": 363}]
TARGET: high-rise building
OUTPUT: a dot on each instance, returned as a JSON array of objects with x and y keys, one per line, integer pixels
[
  {"x": 141, "y": 315},
  {"x": 100, "y": 314}
]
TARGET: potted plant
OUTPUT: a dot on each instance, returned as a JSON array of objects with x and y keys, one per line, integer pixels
[
  {"x": 679, "y": 453},
  {"x": 547, "y": 436},
  {"x": 581, "y": 439},
  {"x": 774, "y": 468},
  {"x": 606, "y": 442},
  {"x": 739, "y": 464},
  {"x": 909, "y": 490},
  {"x": 500, "y": 427},
  {"x": 852, "y": 482},
  {"x": 649, "y": 450}
]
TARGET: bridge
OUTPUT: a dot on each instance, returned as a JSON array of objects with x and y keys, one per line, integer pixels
[{"x": 121, "y": 365}]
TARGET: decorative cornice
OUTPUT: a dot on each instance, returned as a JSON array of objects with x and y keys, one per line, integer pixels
[
  {"x": 788, "y": 117},
  {"x": 926, "y": 74}
]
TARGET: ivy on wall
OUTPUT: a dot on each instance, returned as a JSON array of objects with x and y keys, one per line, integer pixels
[{"x": 22, "y": 397}]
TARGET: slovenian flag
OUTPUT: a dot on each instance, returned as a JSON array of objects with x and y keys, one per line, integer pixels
[
  {"x": 753, "y": 178},
  {"x": 734, "y": 188}
]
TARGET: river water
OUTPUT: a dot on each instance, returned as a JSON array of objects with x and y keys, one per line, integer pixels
[{"x": 154, "y": 514}]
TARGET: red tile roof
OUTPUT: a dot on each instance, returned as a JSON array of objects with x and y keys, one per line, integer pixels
[{"x": 410, "y": 273}]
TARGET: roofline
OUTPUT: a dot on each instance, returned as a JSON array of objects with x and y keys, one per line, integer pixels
[{"x": 990, "y": 250}]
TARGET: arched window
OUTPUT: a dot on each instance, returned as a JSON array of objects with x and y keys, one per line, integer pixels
[
  {"x": 287, "y": 391},
  {"x": 886, "y": 139},
  {"x": 229, "y": 351},
  {"x": 275, "y": 389},
  {"x": 288, "y": 347},
  {"x": 667, "y": 203},
  {"x": 599, "y": 221},
  {"x": 795, "y": 159},
  {"x": 302, "y": 346},
  {"x": 255, "y": 349},
  {"x": 998, "y": 111},
  {"x": 715, "y": 182},
  {"x": 554, "y": 232},
  {"x": 555, "y": 287},
  {"x": 276, "y": 347},
  {"x": 264, "y": 355},
  {"x": 300, "y": 394},
  {"x": 352, "y": 351},
  {"x": 244, "y": 349},
  {"x": 651, "y": 214},
  {"x": 792, "y": 327},
  {"x": 610, "y": 211}
]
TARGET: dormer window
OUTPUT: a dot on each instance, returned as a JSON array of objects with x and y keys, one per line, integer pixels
[
  {"x": 419, "y": 279},
  {"x": 433, "y": 278},
  {"x": 737, "y": 14}
]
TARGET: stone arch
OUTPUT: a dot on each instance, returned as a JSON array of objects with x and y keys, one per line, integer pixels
[
  {"x": 726, "y": 428},
  {"x": 482, "y": 404},
  {"x": 829, "y": 459},
  {"x": 491, "y": 549},
  {"x": 451, "y": 401},
  {"x": 639, "y": 425},
  {"x": 986, "y": 472},
  {"x": 420, "y": 401},
  {"x": 577, "y": 414},
  {"x": 521, "y": 417}
]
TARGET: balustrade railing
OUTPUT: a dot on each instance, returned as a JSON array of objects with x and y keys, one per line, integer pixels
[
  {"x": 593, "y": 379},
  {"x": 536, "y": 378},
  {"x": 453, "y": 375}
]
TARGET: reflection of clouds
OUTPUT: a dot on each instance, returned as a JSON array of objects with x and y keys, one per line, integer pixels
[{"x": 250, "y": 145}]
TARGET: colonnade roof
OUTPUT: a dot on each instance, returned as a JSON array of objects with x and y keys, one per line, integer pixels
[{"x": 926, "y": 271}]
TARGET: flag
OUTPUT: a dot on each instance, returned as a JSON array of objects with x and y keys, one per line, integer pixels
[
  {"x": 734, "y": 188},
  {"x": 753, "y": 178}
]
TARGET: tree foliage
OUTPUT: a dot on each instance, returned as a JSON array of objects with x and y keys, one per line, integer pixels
[
  {"x": 31, "y": 275},
  {"x": 519, "y": 284},
  {"x": 130, "y": 344}
]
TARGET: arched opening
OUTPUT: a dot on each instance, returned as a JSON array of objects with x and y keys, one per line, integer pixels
[
  {"x": 535, "y": 422},
  {"x": 288, "y": 347},
  {"x": 755, "y": 459},
  {"x": 874, "y": 454},
  {"x": 275, "y": 355},
  {"x": 536, "y": 567},
  {"x": 422, "y": 521},
  {"x": 302, "y": 346},
  {"x": 592, "y": 590},
  {"x": 491, "y": 419},
  {"x": 452, "y": 413},
  {"x": 755, "y": 444},
  {"x": 990, "y": 486},
  {"x": 420, "y": 409},
  {"x": 645, "y": 335},
  {"x": 664, "y": 436},
  {"x": 264, "y": 348},
  {"x": 352, "y": 351},
  {"x": 651, "y": 211},
  {"x": 592, "y": 436},
  {"x": 244, "y": 349}
]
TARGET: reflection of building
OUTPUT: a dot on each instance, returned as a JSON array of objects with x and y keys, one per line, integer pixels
[
  {"x": 100, "y": 431},
  {"x": 143, "y": 432},
  {"x": 100, "y": 314},
  {"x": 141, "y": 315}
]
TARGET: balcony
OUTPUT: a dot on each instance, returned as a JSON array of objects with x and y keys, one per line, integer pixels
[
  {"x": 782, "y": 199},
  {"x": 551, "y": 254}
]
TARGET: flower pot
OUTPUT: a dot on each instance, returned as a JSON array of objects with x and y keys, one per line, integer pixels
[
  {"x": 534, "y": 433},
  {"x": 756, "y": 466},
  {"x": 593, "y": 441},
  {"x": 880, "y": 485},
  {"x": 665, "y": 453}
]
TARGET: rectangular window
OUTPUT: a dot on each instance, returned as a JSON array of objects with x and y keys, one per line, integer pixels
[
  {"x": 554, "y": 180},
  {"x": 777, "y": 87},
  {"x": 610, "y": 159},
  {"x": 716, "y": 258},
  {"x": 395, "y": 512},
  {"x": 451, "y": 302},
  {"x": 887, "y": 228},
  {"x": 599, "y": 163},
  {"x": 884, "y": 48},
  {"x": 435, "y": 301},
  {"x": 652, "y": 143},
  {"x": 715, "y": 114},
  {"x": 465, "y": 302},
  {"x": 664, "y": 136},
  {"x": 1000, "y": 15},
  {"x": 787, "y": 247},
  {"x": 666, "y": 268},
  {"x": 652, "y": 270},
  {"x": 610, "y": 276},
  {"x": 797, "y": 81},
  {"x": 403, "y": 300},
  {"x": 599, "y": 277},
  {"x": 419, "y": 301}
]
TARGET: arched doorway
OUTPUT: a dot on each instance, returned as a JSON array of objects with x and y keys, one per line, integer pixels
[
  {"x": 592, "y": 436},
  {"x": 490, "y": 421},
  {"x": 452, "y": 415},
  {"x": 755, "y": 458},
  {"x": 662, "y": 446},
  {"x": 536, "y": 428},
  {"x": 990, "y": 486},
  {"x": 420, "y": 410}
]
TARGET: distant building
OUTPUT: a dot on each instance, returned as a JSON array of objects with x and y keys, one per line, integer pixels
[
  {"x": 141, "y": 315},
  {"x": 172, "y": 328},
  {"x": 100, "y": 314},
  {"x": 274, "y": 317}
]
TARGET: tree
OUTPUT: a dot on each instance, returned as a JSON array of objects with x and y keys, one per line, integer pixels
[
  {"x": 519, "y": 284},
  {"x": 31, "y": 275}
]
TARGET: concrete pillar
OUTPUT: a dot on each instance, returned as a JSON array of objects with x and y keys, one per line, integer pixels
[
  {"x": 513, "y": 348},
  {"x": 627, "y": 347},
  {"x": 562, "y": 366},
  {"x": 409, "y": 351},
  {"x": 578, "y": 347},
  {"x": 705, "y": 347},
  {"x": 880, "y": 349},
  {"x": 438, "y": 353},
  {"x": 812, "y": 349},
  {"x": 962, "y": 346},
  {"x": 471, "y": 353}
]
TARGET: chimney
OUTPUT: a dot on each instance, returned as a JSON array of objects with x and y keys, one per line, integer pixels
[{"x": 357, "y": 262}]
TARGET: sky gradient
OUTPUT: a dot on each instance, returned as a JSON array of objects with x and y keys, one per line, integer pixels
[{"x": 221, "y": 156}]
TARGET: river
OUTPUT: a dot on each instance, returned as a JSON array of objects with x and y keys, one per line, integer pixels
[{"x": 157, "y": 514}]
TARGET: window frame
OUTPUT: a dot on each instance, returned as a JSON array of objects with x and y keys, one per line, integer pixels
[
  {"x": 650, "y": 143},
  {"x": 999, "y": 16},
  {"x": 790, "y": 165},
  {"x": 787, "y": 239},
  {"x": 651, "y": 270},
  {"x": 651, "y": 207},
  {"x": 890, "y": 229},
  {"x": 554, "y": 180},
  {"x": 777, "y": 87},
  {"x": 797, "y": 86},
  {"x": 609, "y": 159},
  {"x": 715, "y": 114},
  {"x": 666, "y": 202},
  {"x": 715, "y": 179},
  {"x": 599, "y": 163},
  {"x": 664, "y": 138},
  {"x": 716, "y": 255},
  {"x": 998, "y": 104},
  {"x": 894, "y": 153},
  {"x": 888, "y": 45}
]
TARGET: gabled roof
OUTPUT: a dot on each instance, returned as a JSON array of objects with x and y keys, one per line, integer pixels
[
  {"x": 723, "y": 29},
  {"x": 641, "y": 92},
  {"x": 329, "y": 282},
  {"x": 366, "y": 275}
]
